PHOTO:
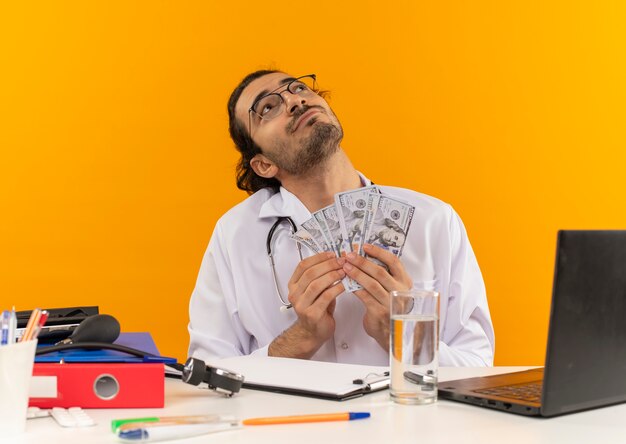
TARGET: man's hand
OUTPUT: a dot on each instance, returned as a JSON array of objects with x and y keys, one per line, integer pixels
[
  {"x": 313, "y": 289},
  {"x": 377, "y": 283}
]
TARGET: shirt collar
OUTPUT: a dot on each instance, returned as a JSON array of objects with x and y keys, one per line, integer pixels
[{"x": 365, "y": 182}]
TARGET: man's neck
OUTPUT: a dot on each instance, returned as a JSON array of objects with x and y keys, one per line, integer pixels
[{"x": 317, "y": 189}]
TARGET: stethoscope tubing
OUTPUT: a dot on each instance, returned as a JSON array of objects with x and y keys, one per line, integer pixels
[{"x": 285, "y": 305}]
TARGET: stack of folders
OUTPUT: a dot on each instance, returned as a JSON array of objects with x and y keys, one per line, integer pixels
[{"x": 100, "y": 378}]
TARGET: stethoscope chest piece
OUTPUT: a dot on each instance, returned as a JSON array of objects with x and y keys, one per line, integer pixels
[{"x": 223, "y": 381}]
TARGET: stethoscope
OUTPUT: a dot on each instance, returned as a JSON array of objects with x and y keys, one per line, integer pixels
[{"x": 285, "y": 305}]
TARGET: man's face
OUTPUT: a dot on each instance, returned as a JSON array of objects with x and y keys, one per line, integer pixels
[{"x": 305, "y": 133}]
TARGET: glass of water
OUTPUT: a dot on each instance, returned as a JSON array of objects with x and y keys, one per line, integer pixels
[{"x": 414, "y": 346}]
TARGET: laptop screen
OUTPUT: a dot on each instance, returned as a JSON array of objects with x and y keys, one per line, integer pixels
[{"x": 586, "y": 352}]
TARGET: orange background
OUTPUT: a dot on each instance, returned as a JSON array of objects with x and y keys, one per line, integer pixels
[{"x": 116, "y": 163}]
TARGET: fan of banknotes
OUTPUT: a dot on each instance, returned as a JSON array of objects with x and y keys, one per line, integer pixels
[{"x": 359, "y": 216}]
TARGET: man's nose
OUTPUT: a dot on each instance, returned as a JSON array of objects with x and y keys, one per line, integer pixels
[{"x": 293, "y": 101}]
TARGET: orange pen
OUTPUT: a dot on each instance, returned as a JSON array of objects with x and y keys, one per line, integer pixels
[
  {"x": 33, "y": 321},
  {"x": 324, "y": 417}
]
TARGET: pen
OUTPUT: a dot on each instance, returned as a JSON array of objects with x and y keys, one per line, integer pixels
[
  {"x": 32, "y": 322},
  {"x": 150, "y": 429},
  {"x": 12, "y": 327},
  {"x": 40, "y": 323},
  {"x": 199, "y": 419},
  {"x": 6, "y": 321},
  {"x": 173, "y": 428},
  {"x": 347, "y": 416}
]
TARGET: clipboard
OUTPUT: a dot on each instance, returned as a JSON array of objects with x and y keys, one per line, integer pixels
[{"x": 317, "y": 379}]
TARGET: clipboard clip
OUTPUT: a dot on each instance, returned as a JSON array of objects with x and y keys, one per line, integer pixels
[{"x": 372, "y": 378}]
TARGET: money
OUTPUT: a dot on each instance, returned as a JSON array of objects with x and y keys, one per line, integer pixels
[
  {"x": 359, "y": 216},
  {"x": 389, "y": 226},
  {"x": 351, "y": 207},
  {"x": 305, "y": 238},
  {"x": 333, "y": 226},
  {"x": 315, "y": 231},
  {"x": 321, "y": 221},
  {"x": 370, "y": 211}
]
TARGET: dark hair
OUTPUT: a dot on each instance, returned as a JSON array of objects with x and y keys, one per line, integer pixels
[{"x": 247, "y": 179}]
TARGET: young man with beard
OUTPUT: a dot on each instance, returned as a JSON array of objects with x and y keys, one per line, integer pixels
[{"x": 292, "y": 164}]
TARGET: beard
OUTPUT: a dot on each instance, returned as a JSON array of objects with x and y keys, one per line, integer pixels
[{"x": 314, "y": 151}]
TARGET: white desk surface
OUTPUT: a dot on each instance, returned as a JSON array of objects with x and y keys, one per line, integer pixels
[{"x": 442, "y": 422}]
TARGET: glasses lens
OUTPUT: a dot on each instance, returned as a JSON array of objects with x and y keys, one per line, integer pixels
[
  {"x": 302, "y": 86},
  {"x": 269, "y": 106}
]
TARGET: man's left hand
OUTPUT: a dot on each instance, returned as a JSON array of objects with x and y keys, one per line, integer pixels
[{"x": 377, "y": 283}]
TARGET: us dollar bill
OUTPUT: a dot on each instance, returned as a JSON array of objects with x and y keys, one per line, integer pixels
[
  {"x": 303, "y": 237},
  {"x": 314, "y": 229},
  {"x": 321, "y": 221},
  {"x": 351, "y": 207},
  {"x": 370, "y": 213},
  {"x": 389, "y": 226},
  {"x": 333, "y": 226}
]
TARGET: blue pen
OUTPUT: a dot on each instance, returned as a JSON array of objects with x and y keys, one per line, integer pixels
[
  {"x": 12, "y": 327},
  {"x": 6, "y": 324}
]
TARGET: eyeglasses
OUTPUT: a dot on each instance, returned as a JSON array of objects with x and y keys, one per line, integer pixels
[{"x": 272, "y": 105}]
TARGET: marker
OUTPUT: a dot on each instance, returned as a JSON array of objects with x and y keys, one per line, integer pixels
[{"x": 324, "y": 417}]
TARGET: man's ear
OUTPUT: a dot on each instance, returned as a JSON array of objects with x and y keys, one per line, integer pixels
[{"x": 263, "y": 167}]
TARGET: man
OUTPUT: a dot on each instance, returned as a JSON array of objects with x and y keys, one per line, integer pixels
[{"x": 292, "y": 162}]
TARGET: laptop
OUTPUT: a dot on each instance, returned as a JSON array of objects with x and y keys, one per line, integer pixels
[{"x": 585, "y": 365}]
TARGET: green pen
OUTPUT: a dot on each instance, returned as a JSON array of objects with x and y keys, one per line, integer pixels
[{"x": 117, "y": 423}]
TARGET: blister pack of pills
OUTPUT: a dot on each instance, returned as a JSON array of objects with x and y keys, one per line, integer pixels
[{"x": 72, "y": 417}]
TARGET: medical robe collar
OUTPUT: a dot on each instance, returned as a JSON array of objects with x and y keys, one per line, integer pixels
[{"x": 284, "y": 203}]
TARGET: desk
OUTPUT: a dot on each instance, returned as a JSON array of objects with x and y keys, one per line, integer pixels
[{"x": 442, "y": 422}]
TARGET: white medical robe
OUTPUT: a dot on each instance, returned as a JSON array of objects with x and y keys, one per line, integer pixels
[{"x": 234, "y": 309}]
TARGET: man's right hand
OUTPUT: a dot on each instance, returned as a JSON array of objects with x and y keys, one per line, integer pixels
[{"x": 313, "y": 289}]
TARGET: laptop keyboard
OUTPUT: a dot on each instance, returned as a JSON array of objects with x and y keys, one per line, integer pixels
[{"x": 528, "y": 391}]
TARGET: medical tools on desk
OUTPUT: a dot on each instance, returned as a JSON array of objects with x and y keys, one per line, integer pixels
[{"x": 95, "y": 334}]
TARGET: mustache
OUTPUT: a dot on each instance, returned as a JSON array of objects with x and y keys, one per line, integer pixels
[{"x": 299, "y": 112}]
